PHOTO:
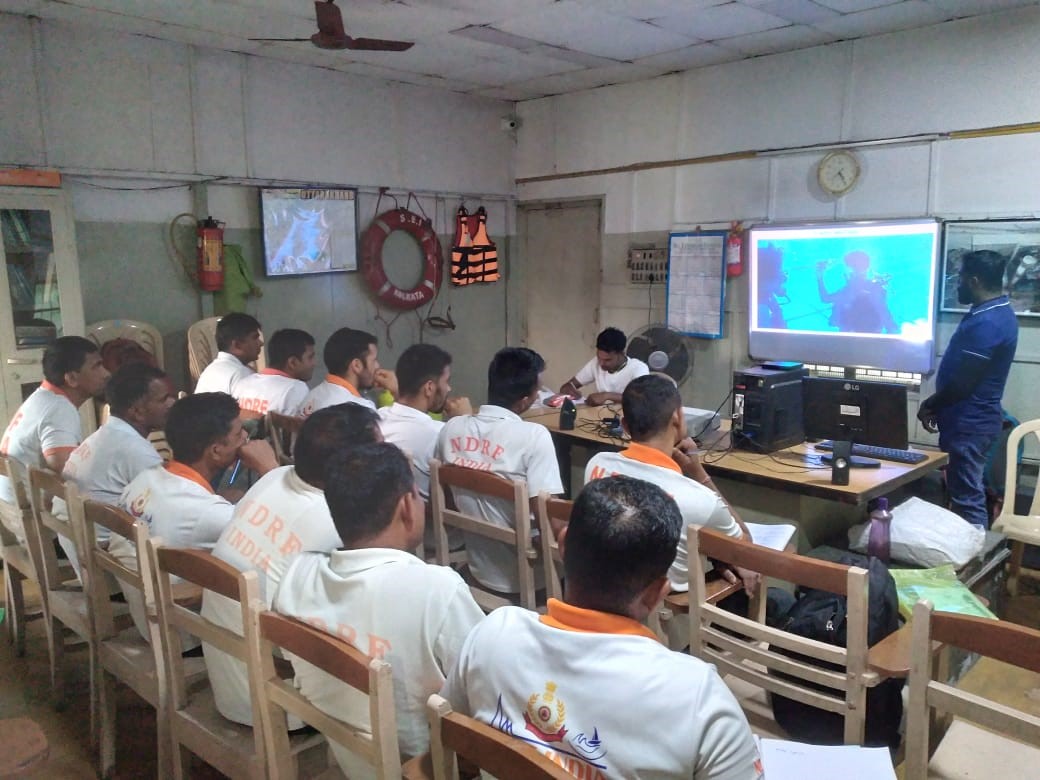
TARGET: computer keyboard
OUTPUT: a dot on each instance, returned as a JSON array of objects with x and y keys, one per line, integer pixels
[{"x": 910, "y": 457}]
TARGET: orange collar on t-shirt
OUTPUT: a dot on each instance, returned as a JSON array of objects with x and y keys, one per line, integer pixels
[
  {"x": 274, "y": 372},
  {"x": 650, "y": 456},
  {"x": 332, "y": 379},
  {"x": 590, "y": 621},
  {"x": 53, "y": 388},
  {"x": 179, "y": 469}
]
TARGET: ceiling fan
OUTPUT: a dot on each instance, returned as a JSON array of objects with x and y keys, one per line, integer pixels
[{"x": 332, "y": 35}]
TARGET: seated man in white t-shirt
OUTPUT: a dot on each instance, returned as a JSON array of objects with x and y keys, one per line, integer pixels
[
  {"x": 611, "y": 370},
  {"x": 496, "y": 439},
  {"x": 282, "y": 386},
  {"x": 238, "y": 343},
  {"x": 282, "y": 515},
  {"x": 375, "y": 594},
  {"x": 653, "y": 417},
  {"x": 47, "y": 428},
  {"x": 139, "y": 398},
  {"x": 176, "y": 500},
  {"x": 352, "y": 360},
  {"x": 587, "y": 684}
]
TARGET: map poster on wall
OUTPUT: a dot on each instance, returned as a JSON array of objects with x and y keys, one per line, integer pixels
[
  {"x": 697, "y": 282},
  {"x": 309, "y": 231}
]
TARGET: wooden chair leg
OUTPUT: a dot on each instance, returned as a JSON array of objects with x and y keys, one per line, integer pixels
[
  {"x": 1018, "y": 550},
  {"x": 56, "y": 648},
  {"x": 107, "y": 723},
  {"x": 15, "y": 609}
]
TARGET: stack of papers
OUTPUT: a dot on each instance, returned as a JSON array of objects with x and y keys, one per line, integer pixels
[
  {"x": 786, "y": 760},
  {"x": 775, "y": 537}
]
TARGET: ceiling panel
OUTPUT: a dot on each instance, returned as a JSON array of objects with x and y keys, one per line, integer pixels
[
  {"x": 785, "y": 39},
  {"x": 721, "y": 21},
  {"x": 889, "y": 18}
]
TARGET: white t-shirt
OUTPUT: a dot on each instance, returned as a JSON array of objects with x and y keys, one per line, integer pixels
[
  {"x": 270, "y": 390},
  {"x": 46, "y": 423},
  {"x": 334, "y": 390},
  {"x": 222, "y": 375},
  {"x": 415, "y": 433},
  {"x": 607, "y": 382},
  {"x": 280, "y": 517},
  {"x": 179, "y": 506},
  {"x": 601, "y": 697},
  {"x": 390, "y": 605},
  {"x": 497, "y": 440},
  {"x": 104, "y": 464},
  {"x": 698, "y": 504}
]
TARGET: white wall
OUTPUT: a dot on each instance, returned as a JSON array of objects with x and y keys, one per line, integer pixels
[
  {"x": 92, "y": 102},
  {"x": 956, "y": 76}
]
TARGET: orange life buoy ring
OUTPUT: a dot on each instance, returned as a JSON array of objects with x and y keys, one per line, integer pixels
[{"x": 422, "y": 231}]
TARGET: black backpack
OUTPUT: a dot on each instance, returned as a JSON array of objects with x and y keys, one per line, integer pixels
[{"x": 822, "y": 616}]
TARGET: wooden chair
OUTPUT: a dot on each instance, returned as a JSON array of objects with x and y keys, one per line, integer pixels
[
  {"x": 453, "y": 734},
  {"x": 202, "y": 347},
  {"x": 196, "y": 726},
  {"x": 1020, "y": 529},
  {"x": 487, "y": 486},
  {"x": 18, "y": 562},
  {"x": 269, "y": 633},
  {"x": 553, "y": 513},
  {"x": 746, "y": 649},
  {"x": 64, "y": 600},
  {"x": 123, "y": 655},
  {"x": 282, "y": 430},
  {"x": 987, "y": 738}
]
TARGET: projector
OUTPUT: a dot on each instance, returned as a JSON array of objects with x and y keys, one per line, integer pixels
[{"x": 700, "y": 420}]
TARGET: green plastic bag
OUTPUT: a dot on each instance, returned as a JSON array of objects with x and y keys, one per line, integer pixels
[{"x": 939, "y": 586}]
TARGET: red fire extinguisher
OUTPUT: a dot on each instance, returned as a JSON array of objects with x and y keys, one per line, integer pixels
[
  {"x": 734, "y": 255},
  {"x": 210, "y": 250}
]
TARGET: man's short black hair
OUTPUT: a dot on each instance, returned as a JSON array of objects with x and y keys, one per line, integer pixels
[
  {"x": 197, "y": 421},
  {"x": 621, "y": 537},
  {"x": 345, "y": 345},
  {"x": 287, "y": 343},
  {"x": 329, "y": 432},
  {"x": 362, "y": 488},
  {"x": 233, "y": 327},
  {"x": 418, "y": 365},
  {"x": 65, "y": 354},
  {"x": 513, "y": 374},
  {"x": 129, "y": 384},
  {"x": 648, "y": 403},
  {"x": 987, "y": 266},
  {"x": 611, "y": 340}
]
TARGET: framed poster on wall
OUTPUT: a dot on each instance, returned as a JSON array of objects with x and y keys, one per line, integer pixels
[
  {"x": 1017, "y": 240},
  {"x": 309, "y": 231}
]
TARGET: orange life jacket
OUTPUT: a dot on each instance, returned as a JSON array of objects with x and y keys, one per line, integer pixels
[{"x": 474, "y": 256}]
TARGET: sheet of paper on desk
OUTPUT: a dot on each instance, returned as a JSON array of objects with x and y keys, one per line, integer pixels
[
  {"x": 785, "y": 760},
  {"x": 775, "y": 537}
]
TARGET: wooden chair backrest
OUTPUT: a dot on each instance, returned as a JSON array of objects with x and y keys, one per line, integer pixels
[
  {"x": 752, "y": 654},
  {"x": 506, "y": 758},
  {"x": 44, "y": 487},
  {"x": 203, "y": 570},
  {"x": 268, "y": 633},
  {"x": 14, "y": 515},
  {"x": 996, "y": 639},
  {"x": 484, "y": 484},
  {"x": 282, "y": 430},
  {"x": 552, "y": 512}
]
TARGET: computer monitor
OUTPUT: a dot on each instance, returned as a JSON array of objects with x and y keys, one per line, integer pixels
[{"x": 871, "y": 413}]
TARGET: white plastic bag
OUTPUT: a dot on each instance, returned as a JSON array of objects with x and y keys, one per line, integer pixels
[{"x": 926, "y": 535}]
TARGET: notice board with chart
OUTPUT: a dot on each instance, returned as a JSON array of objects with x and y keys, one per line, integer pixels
[{"x": 697, "y": 282}]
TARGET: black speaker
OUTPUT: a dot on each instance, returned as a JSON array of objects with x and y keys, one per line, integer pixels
[
  {"x": 842, "y": 454},
  {"x": 568, "y": 414}
]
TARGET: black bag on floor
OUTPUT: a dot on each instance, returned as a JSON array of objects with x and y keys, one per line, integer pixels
[{"x": 822, "y": 616}]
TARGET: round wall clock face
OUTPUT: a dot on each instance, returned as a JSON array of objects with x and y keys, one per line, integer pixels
[{"x": 838, "y": 172}]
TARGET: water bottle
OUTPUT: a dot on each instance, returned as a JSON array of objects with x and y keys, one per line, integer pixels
[{"x": 879, "y": 542}]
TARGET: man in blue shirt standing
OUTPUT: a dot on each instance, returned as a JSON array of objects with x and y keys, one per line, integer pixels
[{"x": 965, "y": 408}]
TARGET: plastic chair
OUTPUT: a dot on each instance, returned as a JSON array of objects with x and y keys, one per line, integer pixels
[
  {"x": 1020, "y": 529},
  {"x": 202, "y": 347},
  {"x": 453, "y": 734},
  {"x": 281, "y": 432},
  {"x": 987, "y": 738},
  {"x": 146, "y": 335},
  {"x": 18, "y": 561},
  {"x": 485, "y": 485},
  {"x": 747, "y": 649},
  {"x": 270, "y": 633}
]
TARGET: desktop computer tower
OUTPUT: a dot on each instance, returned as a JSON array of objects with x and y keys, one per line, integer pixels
[{"x": 767, "y": 408}]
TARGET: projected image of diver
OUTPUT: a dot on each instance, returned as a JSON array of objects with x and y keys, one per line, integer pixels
[{"x": 845, "y": 284}]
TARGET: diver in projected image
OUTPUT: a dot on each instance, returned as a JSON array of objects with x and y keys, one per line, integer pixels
[
  {"x": 772, "y": 287},
  {"x": 303, "y": 250},
  {"x": 861, "y": 305}
]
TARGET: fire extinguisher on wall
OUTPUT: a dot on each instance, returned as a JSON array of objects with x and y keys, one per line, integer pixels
[
  {"x": 734, "y": 247},
  {"x": 209, "y": 242}
]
